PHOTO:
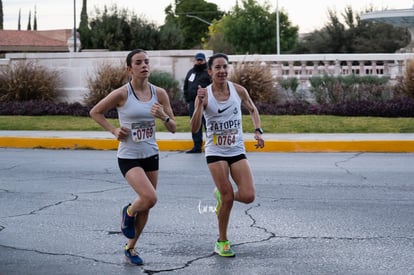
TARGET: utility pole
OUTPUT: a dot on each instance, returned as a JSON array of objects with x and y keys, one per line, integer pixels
[
  {"x": 74, "y": 26},
  {"x": 277, "y": 28}
]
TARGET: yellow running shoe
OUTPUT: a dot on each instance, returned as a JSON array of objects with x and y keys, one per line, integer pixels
[{"x": 223, "y": 249}]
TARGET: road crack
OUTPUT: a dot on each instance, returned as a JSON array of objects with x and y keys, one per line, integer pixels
[
  {"x": 185, "y": 265},
  {"x": 254, "y": 224},
  {"x": 74, "y": 198},
  {"x": 59, "y": 254},
  {"x": 188, "y": 263},
  {"x": 338, "y": 165}
]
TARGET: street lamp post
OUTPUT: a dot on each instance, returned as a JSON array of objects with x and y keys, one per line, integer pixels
[
  {"x": 199, "y": 19},
  {"x": 74, "y": 26},
  {"x": 277, "y": 28}
]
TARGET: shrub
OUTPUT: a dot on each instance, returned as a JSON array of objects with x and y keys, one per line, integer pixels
[
  {"x": 408, "y": 82},
  {"x": 399, "y": 107},
  {"x": 107, "y": 78},
  {"x": 180, "y": 108},
  {"x": 38, "y": 107},
  {"x": 166, "y": 81},
  {"x": 290, "y": 87},
  {"x": 350, "y": 88},
  {"x": 291, "y": 83},
  {"x": 257, "y": 78},
  {"x": 287, "y": 108},
  {"x": 28, "y": 81}
]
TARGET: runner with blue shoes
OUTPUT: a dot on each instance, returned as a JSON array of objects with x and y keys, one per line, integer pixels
[{"x": 138, "y": 103}]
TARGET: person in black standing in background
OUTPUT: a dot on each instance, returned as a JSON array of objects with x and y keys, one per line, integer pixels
[{"x": 197, "y": 76}]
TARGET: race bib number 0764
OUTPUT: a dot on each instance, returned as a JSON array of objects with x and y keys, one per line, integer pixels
[{"x": 225, "y": 138}]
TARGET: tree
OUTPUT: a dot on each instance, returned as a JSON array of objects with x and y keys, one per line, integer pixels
[
  {"x": 288, "y": 32},
  {"x": 143, "y": 34},
  {"x": 352, "y": 35},
  {"x": 216, "y": 40},
  {"x": 192, "y": 18},
  {"x": 1, "y": 15},
  {"x": 18, "y": 22},
  {"x": 109, "y": 29},
  {"x": 84, "y": 31},
  {"x": 336, "y": 32},
  {"x": 35, "y": 20},
  {"x": 171, "y": 36},
  {"x": 29, "y": 24},
  {"x": 375, "y": 37},
  {"x": 251, "y": 28},
  {"x": 119, "y": 30}
]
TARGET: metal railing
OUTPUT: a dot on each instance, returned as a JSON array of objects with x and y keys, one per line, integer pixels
[{"x": 306, "y": 66}]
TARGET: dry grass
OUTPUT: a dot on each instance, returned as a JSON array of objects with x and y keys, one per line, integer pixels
[
  {"x": 409, "y": 78},
  {"x": 107, "y": 78},
  {"x": 26, "y": 81},
  {"x": 257, "y": 78}
]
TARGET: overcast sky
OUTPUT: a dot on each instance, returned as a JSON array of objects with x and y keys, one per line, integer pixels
[{"x": 58, "y": 14}]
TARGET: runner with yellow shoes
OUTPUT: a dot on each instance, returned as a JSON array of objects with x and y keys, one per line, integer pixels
[{"x": 220, "y": 103}]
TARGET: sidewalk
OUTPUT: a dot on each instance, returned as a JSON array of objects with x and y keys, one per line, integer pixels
[{"x": 101, "y": 140}]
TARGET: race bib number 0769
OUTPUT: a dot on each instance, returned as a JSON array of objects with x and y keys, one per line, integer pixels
[{"x": 142, "y": 131}]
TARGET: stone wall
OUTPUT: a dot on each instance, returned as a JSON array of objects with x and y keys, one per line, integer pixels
[{"x": 76, "y": 68}]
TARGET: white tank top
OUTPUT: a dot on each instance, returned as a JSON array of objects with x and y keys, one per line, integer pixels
[
  {"x": 136, "y": 116},
  {"x": 224, "y": 131}
]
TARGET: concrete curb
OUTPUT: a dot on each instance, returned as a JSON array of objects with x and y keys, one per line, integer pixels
[{"x": 272, "y": 145}]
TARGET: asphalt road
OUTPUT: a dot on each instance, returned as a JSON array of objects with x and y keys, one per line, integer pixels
[{"x": 315, "y": 213}]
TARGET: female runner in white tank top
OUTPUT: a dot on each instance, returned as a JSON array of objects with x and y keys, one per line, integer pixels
[
  {"x": 138, "y": 104},
  {"x": 220, "y": 103}
]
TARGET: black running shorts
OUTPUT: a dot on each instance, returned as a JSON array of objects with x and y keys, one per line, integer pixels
[
  {"x": 148, "y": 164},
  {"x": 230, "y": 160}
]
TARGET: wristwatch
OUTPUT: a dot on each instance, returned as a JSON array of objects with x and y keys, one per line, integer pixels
[
  {"x": 260, "y": 130},
  {"x": 167, "y": 119}
]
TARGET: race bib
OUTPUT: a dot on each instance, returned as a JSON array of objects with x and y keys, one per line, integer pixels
[
  {"x": 225, "y": 138},
  {"x": 142, "y": 131},
  {"x": 192, "y": 77}
]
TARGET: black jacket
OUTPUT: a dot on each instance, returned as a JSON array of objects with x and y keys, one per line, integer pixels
[{"x": 201, "y": 77}]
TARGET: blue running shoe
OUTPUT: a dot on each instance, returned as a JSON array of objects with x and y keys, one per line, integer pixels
[
  {"x": 127, "y": 224},
  {"x": 132, "y": 256}
]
